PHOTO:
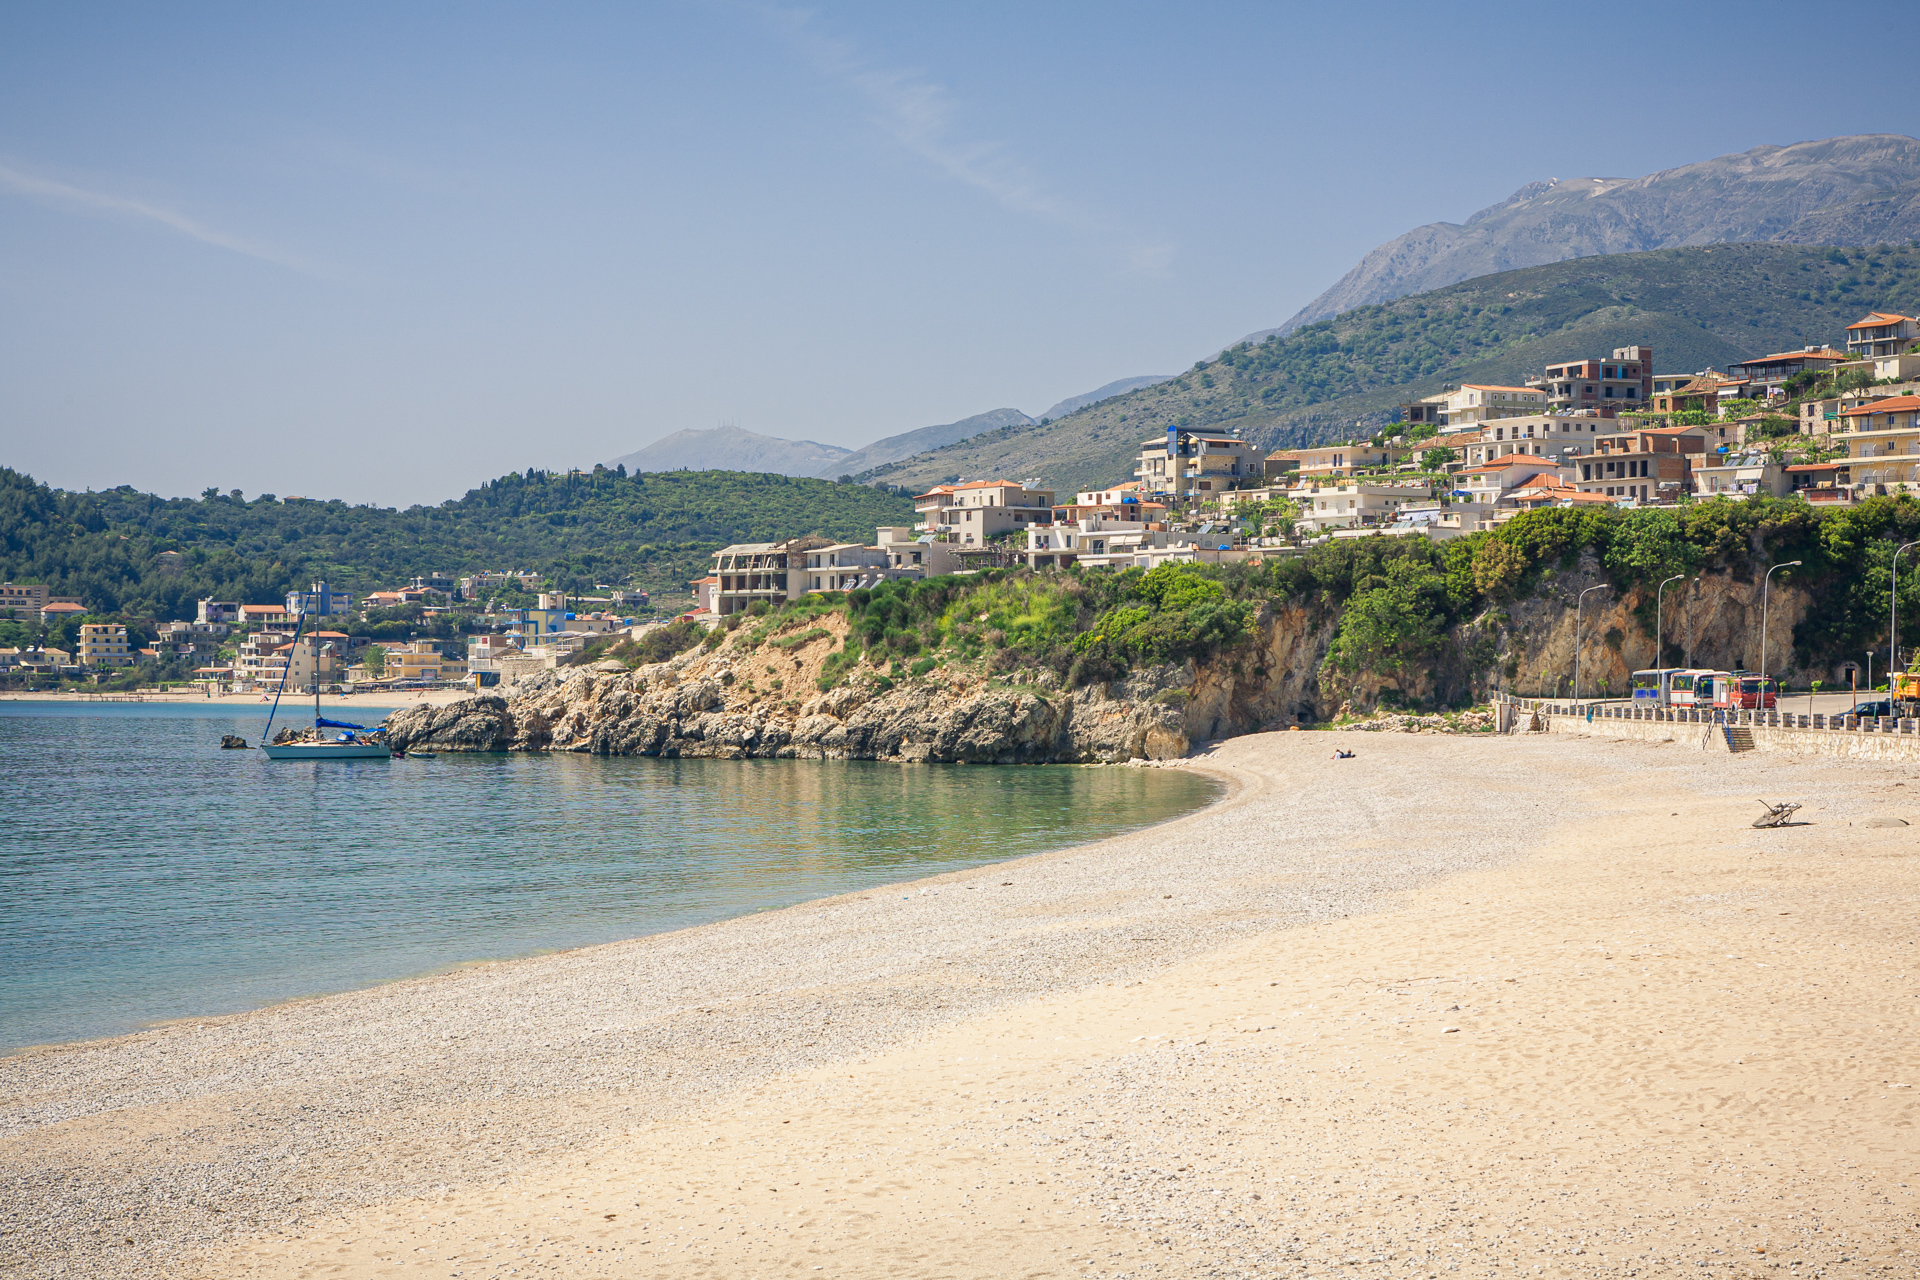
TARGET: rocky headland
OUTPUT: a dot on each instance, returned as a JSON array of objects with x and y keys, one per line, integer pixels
[{"x": 736, "y": 697}]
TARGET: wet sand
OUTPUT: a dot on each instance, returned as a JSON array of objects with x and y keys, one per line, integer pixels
[{"x": 1456, "y": 1007}]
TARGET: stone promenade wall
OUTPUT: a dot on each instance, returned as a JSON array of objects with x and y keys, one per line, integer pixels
[{"x": 1856, "y": 744}]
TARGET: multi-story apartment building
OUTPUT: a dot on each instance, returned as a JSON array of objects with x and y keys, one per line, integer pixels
[
  {"x": 22, "y": 599},
  {"x": 848, "y": 566},
  {"x": 1463, "y": 406},
  {"x": 1742, "y": 475},
  {"x": 1061, "y": 544},
  {"x": 1688, "y": 393},
  {"x": 423, "y": 661},
  {"x": 547, "y": 617},
  {"x": 316, "y": 658},
  {"x": 1565, "y": 432},
  {"x": 1354, "y": 505},
  {"x": 754, "y": 572},
  {"x": 104, "y": 644},
  {"x": 1767, "y": 375},
  {"x": 1882, "y": 440},
  {"x": 485, "y": 652},
  {"x": 1653, "y": 465},
  {"x": 1485, "y": 402},
  {"x": 1491, "y": 483},
  {"x": 905, "y": 551},
  {"x": 227, "y": 611},
  {"x": 1882, "y": 333},
  {"x": 969, "y": 514},
  {"x": 318, "y": 601},
  {"x": 1186, "y": 463},
  {"x": 1623, "y": 381},
  {"x": 255, "y": 615},
  {"x": 1337, "y": 461}
]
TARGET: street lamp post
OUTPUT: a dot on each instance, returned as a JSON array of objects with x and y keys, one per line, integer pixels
[
  {"x": 1659, "y": 601},
  {"x": 1695, "y": 585},
  {"x": 1893, "y": 615},
  {"x": 1577, "y": 604},
  {"x": 1766, "y": 584}
]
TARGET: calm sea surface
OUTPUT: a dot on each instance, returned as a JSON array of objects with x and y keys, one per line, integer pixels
[{"x": 147, "y": 874}]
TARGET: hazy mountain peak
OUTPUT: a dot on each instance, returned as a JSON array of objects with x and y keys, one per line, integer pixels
[
  {"x": 1863, "y": 189},
  {"x": 732, "y": 449},
  {"x": 1118, "y": 387}
]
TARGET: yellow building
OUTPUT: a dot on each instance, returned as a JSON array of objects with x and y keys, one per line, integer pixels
[
  {"x": 104, "y": 644},
  {"x": 1882, "y": 440},
  {"x": 422, "y": 661}
]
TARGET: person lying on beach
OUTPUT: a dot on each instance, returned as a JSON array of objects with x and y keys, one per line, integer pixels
[{"x": 1343, "y": 755}]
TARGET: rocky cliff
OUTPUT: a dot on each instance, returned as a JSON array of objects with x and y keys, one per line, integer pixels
[{"x": 732, "y": 702}]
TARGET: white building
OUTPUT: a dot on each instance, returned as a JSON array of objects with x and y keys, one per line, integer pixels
[
  {"x": 969, "y": 514},
  {"x": 849, "y": 566},
  {"x": 1183, "y": 463},
  {"x": 1353, "y": 505},
  {"x": 1058, "y": 546},
  {"x": 1486, "y": 402},
  {"x": 905, "y": 550},
  {"x": 1490, "y": 483}
]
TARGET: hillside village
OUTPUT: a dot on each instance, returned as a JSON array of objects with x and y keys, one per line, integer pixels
[
  {"x": 1823, "y": 424},
  {"x": 1829, "y": 424}
]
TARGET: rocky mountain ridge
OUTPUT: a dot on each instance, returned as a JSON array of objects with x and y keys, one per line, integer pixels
[
  {"x": 1863, "y": 189},
  {"x": 1694, "y": 306}
]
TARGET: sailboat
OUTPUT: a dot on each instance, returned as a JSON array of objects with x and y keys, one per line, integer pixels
[{"x": 352, "y": 744}]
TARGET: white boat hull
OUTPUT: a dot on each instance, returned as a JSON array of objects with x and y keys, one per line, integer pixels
[{"x": 328, "y": 751}]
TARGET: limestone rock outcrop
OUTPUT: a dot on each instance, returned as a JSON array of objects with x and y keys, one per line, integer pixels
[{"x": 693, "y": 706}]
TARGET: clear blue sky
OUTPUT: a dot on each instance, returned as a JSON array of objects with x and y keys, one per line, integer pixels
[{"x": 383, "y": 252}]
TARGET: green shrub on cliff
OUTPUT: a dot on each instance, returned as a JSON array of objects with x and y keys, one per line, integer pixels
[
  {"x": 1404, "y": 619},
  {"x": 1167, "y": 614}
]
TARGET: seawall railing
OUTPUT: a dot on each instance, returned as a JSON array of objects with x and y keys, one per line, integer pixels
[
  {"x": 1877, "y": 737},
  {"x": 1772, "y": 719}
]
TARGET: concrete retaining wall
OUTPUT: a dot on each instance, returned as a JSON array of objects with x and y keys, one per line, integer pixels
[{"x": 1845, "y": 743}]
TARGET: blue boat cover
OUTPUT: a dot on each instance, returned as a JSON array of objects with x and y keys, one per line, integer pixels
[{"x": 337, "y": 724}]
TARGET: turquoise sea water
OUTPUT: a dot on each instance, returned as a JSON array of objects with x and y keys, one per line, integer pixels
[{"x": 147, "y": 874}]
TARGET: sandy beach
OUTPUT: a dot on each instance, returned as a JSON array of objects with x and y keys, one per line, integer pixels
[{"x": 1473, "y": 1007}]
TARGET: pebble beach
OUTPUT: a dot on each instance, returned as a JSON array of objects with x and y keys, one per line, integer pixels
[{"x": 1466, "y": 1006}]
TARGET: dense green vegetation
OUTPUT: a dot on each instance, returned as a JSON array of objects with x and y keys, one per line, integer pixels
[
  {"x": 654, "y": 531},
  {"x": 1695, "y": 307}
]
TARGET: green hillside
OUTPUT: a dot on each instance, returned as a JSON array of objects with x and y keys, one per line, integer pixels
[
  {"x": 653, "y": 531},
  {"x": 1695, "y": 307}
]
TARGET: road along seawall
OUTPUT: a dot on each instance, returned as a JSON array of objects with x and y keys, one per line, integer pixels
[{"x": 1853, "y": 744}]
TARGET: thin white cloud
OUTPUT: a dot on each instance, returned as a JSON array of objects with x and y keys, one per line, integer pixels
[
  {"x": 921, "y": 116},
  {"x": 48, "y": 189}
]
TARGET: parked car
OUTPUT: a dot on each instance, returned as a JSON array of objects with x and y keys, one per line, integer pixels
[{"x": 1881, "y": 708}]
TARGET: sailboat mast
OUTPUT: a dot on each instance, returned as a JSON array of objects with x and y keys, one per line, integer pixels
[{"x": 266, "y": 734}]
